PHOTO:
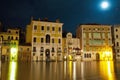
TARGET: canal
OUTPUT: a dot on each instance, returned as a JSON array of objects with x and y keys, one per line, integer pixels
[{"x": 67, "y": 70}]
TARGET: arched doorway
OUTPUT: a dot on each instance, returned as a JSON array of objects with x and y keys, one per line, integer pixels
[
  {"x": 97, "y": 56},
  {"x": 47, "y": 52},
  {"x": 47, "y": 38}
]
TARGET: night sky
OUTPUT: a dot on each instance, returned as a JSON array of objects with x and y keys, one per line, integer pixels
[{"x": 70, "y": 12}]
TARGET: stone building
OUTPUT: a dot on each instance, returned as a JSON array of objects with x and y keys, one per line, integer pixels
[{"x": 95, "y": 41}]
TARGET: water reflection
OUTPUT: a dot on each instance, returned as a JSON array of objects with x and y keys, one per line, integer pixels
[
  {"x": 12, "y": 71},
  {"x": 67, "y": 70},
  {"x": 107, "y": 70}
]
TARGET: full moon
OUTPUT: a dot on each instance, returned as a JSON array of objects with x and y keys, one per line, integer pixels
[{"x": 104, "y": 5}]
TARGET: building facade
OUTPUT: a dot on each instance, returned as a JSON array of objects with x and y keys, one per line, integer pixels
[
  {"x": 46, "y": 40},
  {"x": 116, "y": 41},
  {"x": 24, "y": 53},
  {"x": 95, "y": 41},
  {"x": 10, "y": 42},
  {"x": 71, "y": 47}
]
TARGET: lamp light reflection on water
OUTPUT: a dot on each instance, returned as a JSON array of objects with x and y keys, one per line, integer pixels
[
  {"x": 12, "y": 71},
  {"x": 107, "y": 70}
]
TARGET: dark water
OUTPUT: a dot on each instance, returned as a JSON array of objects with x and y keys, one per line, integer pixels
[{"x": 104, "y": 70}]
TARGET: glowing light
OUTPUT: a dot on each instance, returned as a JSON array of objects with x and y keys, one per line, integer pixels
[
  {"x": 13, "y": 55},
  {"x": 13, "y": 50},
  {"x": 70, "y": 57},
  {"x": 12, "y": 71},
  {"x": 104, "y": 5},
  {"x": 108, "y": 70}
]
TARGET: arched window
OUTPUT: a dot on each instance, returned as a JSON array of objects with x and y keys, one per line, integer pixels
[
  {"x": 8, "y": 37},
  {"x": 12, "y": 38},
  {"x": 47, "y": 38}
]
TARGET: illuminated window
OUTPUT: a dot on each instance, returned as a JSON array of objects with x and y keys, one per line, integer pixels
[{"x": 90, "y": 36}]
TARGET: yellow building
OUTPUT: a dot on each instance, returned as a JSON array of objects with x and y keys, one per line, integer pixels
[
  {"x": 24, "y": 53},
  {"x": 46, "y": 40},
  {"x": 71, "y": 47},
  {"x": 10, "y": 42},
  {"x": 95, "y": 41}
]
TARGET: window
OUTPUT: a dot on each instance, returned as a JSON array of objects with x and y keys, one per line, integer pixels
[
  {"x": 16, "y": 32},
  {"x": 117, "y": 43},
  {"x": 85, "y": 55},
  {"x": 42, "y": 27},
  {"x": 9, "y": 31},
  {"x": 89, "y": 55},
  {"x": 41, "y": 54},
  {"x": 33, "y": 54},
  {"x": 42, "y": 49},
  {"x": 12, "y": 38},
  {"x": 53, "y": 49},
  {"x": 16, "y": 38},
  {"x": 28, "y": 49},
  {"x": 34, "y": 40},
  {"x": 48, "y": 28},
  {"x": 52, "y": 40},
  {"x": 35, "y": 27},
  {"x": 116, "y": 30},
  {"x": 34, "y": 49},
  {"x": 47, "y": 38},
  {"x": 59, "y": 29},
  {"x": 59, "y": 40},
  {"x": 8, "y": 37},
  {"x": 118, "y": 51},
  {"x": 116, "y": 36},
  {"x": 53, "y": 29},
  {"x": 42, "y": 40}
]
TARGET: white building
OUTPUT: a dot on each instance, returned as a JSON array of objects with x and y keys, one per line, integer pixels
[{"x": 46, "y": 40}]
